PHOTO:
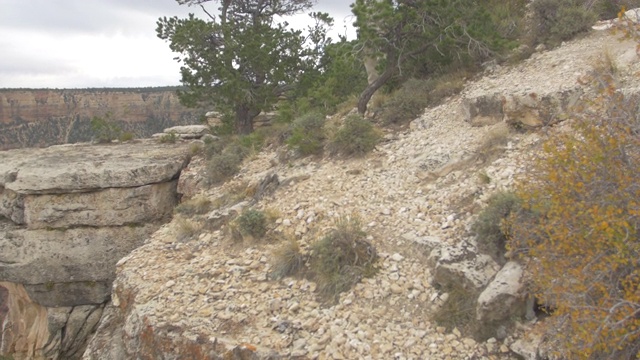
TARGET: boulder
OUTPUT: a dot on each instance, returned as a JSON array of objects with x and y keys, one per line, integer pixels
[
  {"x": 82, "y": 168},
  {"x": 502, "y": 300},
  {"x": 483, "y": 110},
  {"x": 461, "y": 264}
]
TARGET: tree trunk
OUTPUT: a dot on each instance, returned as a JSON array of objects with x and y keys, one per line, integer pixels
[
  {"x": 244, "y": 119},
  {"x": 368, "y": 92}
]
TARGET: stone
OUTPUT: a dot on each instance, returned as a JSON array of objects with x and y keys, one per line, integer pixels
[
  {"x": 188, "y": 131},
  {"x": 503, "y": 298},
  {"x": 81, "y": 168},
  {"x": 461, "y": 264},
  {"x": 483, "y": 110}
]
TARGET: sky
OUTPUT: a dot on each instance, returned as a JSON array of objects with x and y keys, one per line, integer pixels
[{"x": 102, "y": 43}]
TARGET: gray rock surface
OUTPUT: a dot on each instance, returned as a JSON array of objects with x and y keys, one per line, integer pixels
[{"x": 67, "y": 215}]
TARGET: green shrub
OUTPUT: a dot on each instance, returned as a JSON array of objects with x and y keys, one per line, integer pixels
[
  {"x": 555, "y": 21},
  {"x": 415, "y": 95},
  {"x": 490, "y": 228},
  {"x": 168, "y": 138},
  {"x": 307, "y": 134},
  {"x": 608, "y": 9},
  {"x": 287, "y": 260},
  {"x": 253, "y": 222},
  {"x": 127, "y": 136},
  {"x": 104, "y": 129},
  {"x": 356, "y": 137},
  {"x": 222, "y": 166},
  {"x": 341, "y": 259}
]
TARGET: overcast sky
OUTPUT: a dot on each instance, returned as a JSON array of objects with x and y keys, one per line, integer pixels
[{"x": 99, "y": 43}]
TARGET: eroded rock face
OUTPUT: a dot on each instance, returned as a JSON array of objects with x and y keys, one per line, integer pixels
[
  {"x": 44, "y": 117},
  {"x": 67, "y": 215}
]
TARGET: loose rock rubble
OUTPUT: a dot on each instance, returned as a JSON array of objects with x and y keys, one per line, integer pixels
[{"x": 418, "y": 191}]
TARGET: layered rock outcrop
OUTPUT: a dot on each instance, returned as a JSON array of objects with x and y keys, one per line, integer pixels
[
  {"x": 68, "y": 213},
  {"x": 43, "y": 117}
]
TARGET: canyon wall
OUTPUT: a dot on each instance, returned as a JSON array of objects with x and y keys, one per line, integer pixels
[
  {"x": 44, "y": 117},
  {"x": 68, "y": 213}
]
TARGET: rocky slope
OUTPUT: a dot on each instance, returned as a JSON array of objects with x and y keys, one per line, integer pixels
[
  {"x": 417, "y": 194},
  {"x": 38, "y": 118},
  {"x": 68, "y": 213}
]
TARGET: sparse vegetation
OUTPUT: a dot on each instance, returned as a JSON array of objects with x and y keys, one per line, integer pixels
[
  {"x": 555, "y": 21},
  {"x": 196, "y": 206},
  {"x": 169, "y": 138},
  {"x": 222, "y": 166},
  {"x": 104, "y": 129},
  {"x": 307, "y": 134},
  {"x": 341, "y": 258},
  {"x": 186, "y": 229},
  {"x": 491, "y": 228},
  {"x": 355, "y": 137},
  {"x": 493, "y": 142},
  {"x": 127, "y": 136},
  {"x": 253, "y": 222},
  {"x": 287, "y": 260},
  {"x": 458, "y": 310}
]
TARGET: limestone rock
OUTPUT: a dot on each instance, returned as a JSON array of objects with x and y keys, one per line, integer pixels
[
  {"x": 82, "y": 168},
  {"x": 188, "y": 131},
  {"x": 108, "y": 207},
  {"x": 67, "y": 267},
  {"x": 503, "y": 297},
  {"x": 483, "y": 110},
  {"x": 462, "y": 264}
]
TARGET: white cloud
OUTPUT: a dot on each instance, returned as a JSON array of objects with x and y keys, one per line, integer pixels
[{"x": 97, "y": 43}]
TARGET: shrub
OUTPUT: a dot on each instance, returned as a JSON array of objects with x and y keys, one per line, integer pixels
[
  {"x": 287, "y": 260},
  {"x": 168, "y": 138},
  {"x": 196, "y": 206},
  {"x": 458, "y": 310},
  {"x": 253, "y": 222},
  {"x": 104, "y": 129},
  {"x": 493, "y": 142},
  {"x": 408, "y": 102},
  {"x": 186, "y": 229},
  {"x": 586, "y": 251},
  {"x": 559, "y": 20},
  {"x": 341, "y": 258},
  {"x": 356, "y": 137},
  {"x": 127, "y": 136},
  {"x": 307, "y": 134},
  {"x": 491, "y": 229},
  {"x": 222, "y": 166}
]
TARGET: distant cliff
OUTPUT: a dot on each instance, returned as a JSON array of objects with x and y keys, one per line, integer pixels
[{"x": 43, "y": 117}]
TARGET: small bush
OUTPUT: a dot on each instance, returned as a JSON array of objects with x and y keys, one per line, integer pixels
[
  {"x": 196, "y": 206},
  {"x": 307, "y": 134},
  {"x": 127, "y": 136},
  {"x": 186, "y": 229},
  {"x": 491, "y": 229},
  {"x": 355, "y": 137},
  {"x": 222, "y": 166},
  {"x": 341, "y": 259},
  {"x": 253, "y": 222},
  {"x": 493, "y": 142},
  {"x": 287, "y": 260},
  {"x": 559, "y": 20},
  {"x": 169, "y": 138},
  {"x": 104, "y": 129},
  {"x": 458, "y": 310},
  {"x": 408, "y": 102}
]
